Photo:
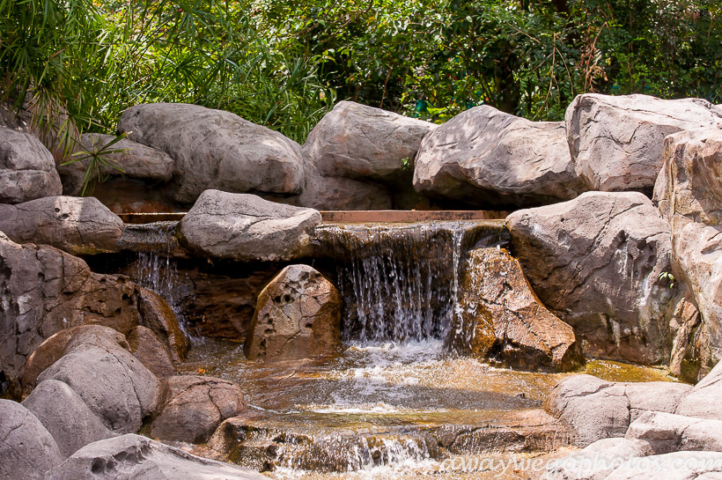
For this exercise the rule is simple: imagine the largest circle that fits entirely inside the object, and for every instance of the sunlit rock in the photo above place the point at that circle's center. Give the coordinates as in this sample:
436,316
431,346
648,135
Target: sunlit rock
616,142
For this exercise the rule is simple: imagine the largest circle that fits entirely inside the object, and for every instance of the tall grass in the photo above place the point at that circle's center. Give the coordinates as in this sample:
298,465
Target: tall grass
77,64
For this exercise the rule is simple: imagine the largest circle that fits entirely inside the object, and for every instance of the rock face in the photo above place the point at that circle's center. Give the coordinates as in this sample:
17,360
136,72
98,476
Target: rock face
132,457
247,228
66,416
616,142
113,383
672,466
298,315
356,141
688,194
159,317
216,149
487,157
27,168
44,290
596,409
77,225
596,262
27,450
506,320
136,161
192,407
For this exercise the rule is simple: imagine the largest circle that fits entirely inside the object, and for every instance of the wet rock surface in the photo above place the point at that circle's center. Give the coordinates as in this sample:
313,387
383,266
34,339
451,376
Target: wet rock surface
248,228
132,457
487,157
598,263
616,142
502,318
298,315
27,168
216,149
193,406
75,225
595,409
27,449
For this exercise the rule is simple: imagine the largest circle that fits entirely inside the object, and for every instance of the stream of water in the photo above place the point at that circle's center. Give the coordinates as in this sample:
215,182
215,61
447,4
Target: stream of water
396,402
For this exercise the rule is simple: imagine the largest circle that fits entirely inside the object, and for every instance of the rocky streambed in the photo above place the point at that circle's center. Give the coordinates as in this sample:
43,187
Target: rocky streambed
578,338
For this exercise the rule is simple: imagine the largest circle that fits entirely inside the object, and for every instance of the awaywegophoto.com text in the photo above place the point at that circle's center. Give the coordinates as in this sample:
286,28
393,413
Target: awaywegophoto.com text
586,464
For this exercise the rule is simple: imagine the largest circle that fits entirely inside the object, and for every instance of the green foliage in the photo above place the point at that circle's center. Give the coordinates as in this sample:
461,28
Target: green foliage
100,162
282,63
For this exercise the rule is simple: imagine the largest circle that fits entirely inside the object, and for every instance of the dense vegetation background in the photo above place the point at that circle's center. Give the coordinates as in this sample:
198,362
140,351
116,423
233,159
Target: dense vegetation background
284,63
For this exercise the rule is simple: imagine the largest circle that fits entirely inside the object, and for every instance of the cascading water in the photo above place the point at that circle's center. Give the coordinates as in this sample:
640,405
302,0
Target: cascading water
399,282
155,268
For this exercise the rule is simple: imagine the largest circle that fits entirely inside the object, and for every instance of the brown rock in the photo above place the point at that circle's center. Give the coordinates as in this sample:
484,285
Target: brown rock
146,347
297,315
502,318
192,407
157,315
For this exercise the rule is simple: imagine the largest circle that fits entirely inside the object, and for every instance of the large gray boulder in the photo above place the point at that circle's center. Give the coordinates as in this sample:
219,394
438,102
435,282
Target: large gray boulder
487,157
27,168
66,416
27,449
247,228
356,141
596,262
298,315
616,142
80,226
666,433
193,406
45,290
216,149
596,461
596,409
132,457
114,384
136,161
688,195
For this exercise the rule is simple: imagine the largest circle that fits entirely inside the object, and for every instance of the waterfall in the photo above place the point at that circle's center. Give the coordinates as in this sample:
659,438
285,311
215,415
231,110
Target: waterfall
155,268
400,282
